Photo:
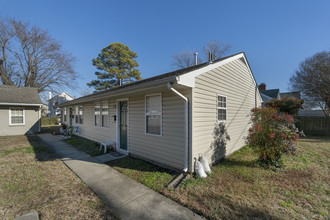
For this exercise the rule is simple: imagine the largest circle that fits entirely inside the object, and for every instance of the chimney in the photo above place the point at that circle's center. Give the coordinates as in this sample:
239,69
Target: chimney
50,95
210,57
196,54
262,87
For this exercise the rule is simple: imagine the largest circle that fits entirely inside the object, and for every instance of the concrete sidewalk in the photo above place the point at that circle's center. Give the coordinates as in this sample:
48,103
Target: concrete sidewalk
130,199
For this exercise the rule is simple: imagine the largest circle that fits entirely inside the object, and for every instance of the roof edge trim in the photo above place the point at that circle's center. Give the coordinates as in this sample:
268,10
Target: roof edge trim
188,79
19,104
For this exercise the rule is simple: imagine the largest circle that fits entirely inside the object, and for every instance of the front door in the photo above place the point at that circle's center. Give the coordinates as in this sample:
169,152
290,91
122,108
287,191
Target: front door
123,125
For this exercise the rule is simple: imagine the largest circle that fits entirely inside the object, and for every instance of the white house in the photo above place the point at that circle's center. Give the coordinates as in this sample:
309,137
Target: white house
58,99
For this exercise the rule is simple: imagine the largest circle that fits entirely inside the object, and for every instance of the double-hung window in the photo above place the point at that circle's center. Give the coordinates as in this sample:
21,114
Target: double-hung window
97,114
153,114
80,114
64,114
17,116
222,108
104,114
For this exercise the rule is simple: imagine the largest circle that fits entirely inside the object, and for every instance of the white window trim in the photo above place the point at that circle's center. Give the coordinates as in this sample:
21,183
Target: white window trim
101,125
65,114
78,114
10,116
161,115
221,107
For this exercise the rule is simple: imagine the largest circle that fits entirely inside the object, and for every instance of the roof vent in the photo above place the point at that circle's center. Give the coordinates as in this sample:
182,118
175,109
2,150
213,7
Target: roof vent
196,55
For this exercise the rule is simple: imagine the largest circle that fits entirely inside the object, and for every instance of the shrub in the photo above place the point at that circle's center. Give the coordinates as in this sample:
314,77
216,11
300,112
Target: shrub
287,105
272,133
49,121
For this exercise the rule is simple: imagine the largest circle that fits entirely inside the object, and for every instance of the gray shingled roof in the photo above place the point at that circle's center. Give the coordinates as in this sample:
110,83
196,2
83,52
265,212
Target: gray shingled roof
12,94
158,77
273,93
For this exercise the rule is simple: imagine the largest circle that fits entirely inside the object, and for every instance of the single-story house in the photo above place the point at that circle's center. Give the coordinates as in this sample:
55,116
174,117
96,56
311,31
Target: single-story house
20,110
171,118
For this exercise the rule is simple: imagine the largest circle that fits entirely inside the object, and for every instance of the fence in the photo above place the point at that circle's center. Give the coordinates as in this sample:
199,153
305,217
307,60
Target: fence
314,125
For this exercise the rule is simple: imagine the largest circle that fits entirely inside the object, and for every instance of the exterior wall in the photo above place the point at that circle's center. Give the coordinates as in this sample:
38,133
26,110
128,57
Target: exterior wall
234,81
63,97
32,121
88,128
167,149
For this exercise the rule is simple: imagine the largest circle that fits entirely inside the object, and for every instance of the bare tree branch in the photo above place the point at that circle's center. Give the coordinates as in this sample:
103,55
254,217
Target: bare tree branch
30,57
186,58
312,79
217,48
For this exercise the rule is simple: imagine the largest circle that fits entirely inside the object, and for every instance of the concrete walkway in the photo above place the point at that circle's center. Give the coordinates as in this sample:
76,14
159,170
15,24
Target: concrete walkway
130,199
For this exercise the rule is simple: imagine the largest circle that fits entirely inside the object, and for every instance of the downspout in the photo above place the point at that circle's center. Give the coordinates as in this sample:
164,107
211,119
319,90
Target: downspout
186,159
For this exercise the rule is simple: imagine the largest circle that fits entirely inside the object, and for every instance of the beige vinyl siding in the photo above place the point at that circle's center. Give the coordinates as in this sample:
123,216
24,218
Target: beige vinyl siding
234,81
31,121
167,149
88,128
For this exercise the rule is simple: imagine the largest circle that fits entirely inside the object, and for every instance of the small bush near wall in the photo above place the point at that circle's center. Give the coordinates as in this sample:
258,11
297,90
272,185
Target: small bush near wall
49,121
272,133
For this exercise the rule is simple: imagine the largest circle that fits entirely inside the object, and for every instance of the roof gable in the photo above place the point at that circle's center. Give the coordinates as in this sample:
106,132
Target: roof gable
188,79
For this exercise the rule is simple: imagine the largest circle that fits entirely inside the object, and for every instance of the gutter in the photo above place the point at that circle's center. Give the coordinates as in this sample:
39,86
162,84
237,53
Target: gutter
186,159
19,104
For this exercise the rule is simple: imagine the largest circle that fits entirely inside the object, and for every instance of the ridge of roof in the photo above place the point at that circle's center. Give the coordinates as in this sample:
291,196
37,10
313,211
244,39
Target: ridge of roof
161,76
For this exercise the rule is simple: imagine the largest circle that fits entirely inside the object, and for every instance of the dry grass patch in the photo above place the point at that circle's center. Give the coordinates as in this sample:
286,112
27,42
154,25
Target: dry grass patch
32,178
239,188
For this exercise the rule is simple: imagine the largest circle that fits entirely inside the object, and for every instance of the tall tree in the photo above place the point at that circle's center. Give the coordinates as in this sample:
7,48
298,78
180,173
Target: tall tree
186,58
30,57
312,79
117,65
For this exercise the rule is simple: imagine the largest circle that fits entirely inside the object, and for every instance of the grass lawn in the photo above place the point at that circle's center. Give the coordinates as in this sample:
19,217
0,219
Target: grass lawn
240,188
32,178
89,147
50,129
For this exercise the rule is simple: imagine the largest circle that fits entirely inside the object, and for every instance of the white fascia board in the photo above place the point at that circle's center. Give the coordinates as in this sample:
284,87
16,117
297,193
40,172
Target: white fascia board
188,79
19,104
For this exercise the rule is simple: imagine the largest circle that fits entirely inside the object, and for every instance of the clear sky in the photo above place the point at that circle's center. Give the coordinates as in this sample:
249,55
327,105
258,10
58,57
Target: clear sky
275,35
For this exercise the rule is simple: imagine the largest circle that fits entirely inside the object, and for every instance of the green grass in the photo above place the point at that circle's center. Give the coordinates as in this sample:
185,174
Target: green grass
240,188
146,173
89,147
33,178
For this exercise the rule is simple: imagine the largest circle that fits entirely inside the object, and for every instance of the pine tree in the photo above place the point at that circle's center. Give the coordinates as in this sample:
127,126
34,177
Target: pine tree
117,66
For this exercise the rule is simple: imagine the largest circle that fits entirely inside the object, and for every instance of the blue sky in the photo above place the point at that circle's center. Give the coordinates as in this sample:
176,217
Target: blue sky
275,35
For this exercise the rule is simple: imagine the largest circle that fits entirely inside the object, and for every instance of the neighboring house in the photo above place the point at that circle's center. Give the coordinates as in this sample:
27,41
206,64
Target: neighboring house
270,94
20,110
172,118
58,99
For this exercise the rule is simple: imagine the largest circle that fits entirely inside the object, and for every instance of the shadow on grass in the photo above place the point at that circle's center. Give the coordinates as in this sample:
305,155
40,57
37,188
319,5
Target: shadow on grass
40,149
139,165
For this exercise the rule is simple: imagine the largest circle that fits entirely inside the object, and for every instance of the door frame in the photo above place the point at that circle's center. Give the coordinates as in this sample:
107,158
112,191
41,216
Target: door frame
118,126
